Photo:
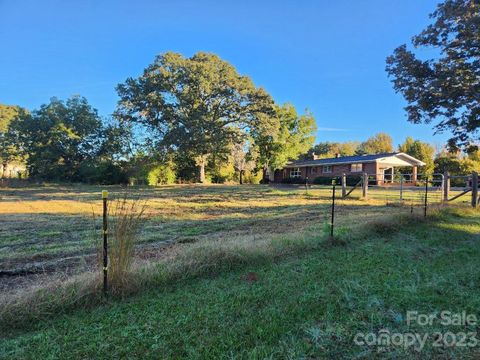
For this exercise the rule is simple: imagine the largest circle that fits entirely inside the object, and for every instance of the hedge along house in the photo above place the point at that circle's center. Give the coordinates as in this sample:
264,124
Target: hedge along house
379,167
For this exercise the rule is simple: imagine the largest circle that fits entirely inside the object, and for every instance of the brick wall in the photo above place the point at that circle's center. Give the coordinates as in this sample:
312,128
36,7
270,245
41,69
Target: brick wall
319,171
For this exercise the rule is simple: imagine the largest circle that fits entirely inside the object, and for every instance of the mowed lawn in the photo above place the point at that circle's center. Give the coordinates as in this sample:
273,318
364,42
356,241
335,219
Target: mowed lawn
308,302
307,305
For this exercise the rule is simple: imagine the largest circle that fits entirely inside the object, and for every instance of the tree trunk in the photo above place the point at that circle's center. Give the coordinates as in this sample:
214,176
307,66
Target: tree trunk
201,170
4,170
241,177
265,177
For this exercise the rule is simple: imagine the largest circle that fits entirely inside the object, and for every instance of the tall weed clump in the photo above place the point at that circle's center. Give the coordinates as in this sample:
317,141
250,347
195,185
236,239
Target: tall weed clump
125,221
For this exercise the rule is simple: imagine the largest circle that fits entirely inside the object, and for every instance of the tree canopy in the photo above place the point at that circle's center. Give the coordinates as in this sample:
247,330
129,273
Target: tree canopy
197,106
377,144
445,87
293,137
421,151
329,149
8,149
65,140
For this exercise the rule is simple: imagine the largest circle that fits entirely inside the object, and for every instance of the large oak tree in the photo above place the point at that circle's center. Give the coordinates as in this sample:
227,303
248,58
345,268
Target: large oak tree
197,106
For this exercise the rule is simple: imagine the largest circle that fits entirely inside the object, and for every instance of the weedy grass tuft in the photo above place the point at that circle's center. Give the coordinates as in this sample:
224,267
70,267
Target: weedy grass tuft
126,218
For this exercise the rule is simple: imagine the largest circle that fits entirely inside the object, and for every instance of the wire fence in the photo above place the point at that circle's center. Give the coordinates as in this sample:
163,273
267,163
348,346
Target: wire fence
406,189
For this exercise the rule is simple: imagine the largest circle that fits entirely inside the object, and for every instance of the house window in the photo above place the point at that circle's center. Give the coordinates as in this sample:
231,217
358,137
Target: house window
327,169
356,167
314,170
295,172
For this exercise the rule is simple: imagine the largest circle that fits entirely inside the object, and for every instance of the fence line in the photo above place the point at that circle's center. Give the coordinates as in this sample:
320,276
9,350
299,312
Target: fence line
410,188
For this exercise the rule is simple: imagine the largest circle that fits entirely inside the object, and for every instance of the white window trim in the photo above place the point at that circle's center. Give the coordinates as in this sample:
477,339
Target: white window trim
325,167
295,172
355,165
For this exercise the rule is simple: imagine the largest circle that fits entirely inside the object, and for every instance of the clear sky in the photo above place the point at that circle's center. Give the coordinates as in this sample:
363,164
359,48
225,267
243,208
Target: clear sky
327,56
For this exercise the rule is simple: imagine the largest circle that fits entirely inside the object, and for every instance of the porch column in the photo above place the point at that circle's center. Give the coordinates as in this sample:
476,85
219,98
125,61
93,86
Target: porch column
392,174
414,174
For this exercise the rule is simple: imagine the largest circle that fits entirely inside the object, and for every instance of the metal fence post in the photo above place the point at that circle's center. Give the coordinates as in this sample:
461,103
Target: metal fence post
365,186
446,186
344,185
426,198
105,241
401,187
333,209
474,189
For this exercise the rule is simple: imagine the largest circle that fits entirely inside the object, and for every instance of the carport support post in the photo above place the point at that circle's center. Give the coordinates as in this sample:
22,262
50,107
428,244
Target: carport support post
365,186
344,185
446,186
105,242
474,189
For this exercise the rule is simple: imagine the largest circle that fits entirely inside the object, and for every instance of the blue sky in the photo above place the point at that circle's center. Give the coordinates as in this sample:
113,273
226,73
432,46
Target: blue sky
327,56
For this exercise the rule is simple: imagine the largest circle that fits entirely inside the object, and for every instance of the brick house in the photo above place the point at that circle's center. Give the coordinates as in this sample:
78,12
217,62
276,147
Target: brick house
380,167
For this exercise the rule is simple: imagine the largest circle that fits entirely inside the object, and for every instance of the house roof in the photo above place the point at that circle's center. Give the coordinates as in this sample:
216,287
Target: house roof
393,158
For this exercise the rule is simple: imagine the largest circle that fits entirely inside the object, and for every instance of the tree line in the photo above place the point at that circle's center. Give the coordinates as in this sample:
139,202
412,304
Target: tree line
197,118
183,119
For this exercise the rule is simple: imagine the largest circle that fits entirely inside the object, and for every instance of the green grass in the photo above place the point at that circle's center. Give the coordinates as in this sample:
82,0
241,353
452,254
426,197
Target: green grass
306,303
50,222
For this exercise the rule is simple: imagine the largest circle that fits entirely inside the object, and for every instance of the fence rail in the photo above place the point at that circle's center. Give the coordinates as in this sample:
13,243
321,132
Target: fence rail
410,188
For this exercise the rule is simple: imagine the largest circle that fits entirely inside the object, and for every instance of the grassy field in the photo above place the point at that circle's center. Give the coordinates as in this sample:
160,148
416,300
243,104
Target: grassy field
54,227
245,272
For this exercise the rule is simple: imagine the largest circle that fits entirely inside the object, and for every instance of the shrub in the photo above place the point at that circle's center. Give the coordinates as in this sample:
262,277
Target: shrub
162,174
325,180
293,181
222,174
251,177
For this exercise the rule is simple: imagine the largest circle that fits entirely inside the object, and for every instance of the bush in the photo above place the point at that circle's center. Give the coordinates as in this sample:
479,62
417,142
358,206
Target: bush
250,177
161,175
222,174
104,172
325,180
351,180
293,181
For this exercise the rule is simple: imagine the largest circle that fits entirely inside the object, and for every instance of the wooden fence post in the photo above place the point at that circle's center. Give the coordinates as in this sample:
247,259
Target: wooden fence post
446,186
474,189
344,185
365,186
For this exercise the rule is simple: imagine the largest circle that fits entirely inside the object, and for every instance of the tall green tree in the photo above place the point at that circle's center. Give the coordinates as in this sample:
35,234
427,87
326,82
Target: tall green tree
65,140
446,87
329,149
421,151
456,164
9,151
293,136
377,144
197,106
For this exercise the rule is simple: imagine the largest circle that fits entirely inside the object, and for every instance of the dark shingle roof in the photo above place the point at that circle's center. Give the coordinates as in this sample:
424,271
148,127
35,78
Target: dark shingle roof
341,160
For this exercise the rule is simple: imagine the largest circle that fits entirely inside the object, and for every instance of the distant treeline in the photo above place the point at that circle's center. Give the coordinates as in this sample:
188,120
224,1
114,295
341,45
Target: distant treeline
183,120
